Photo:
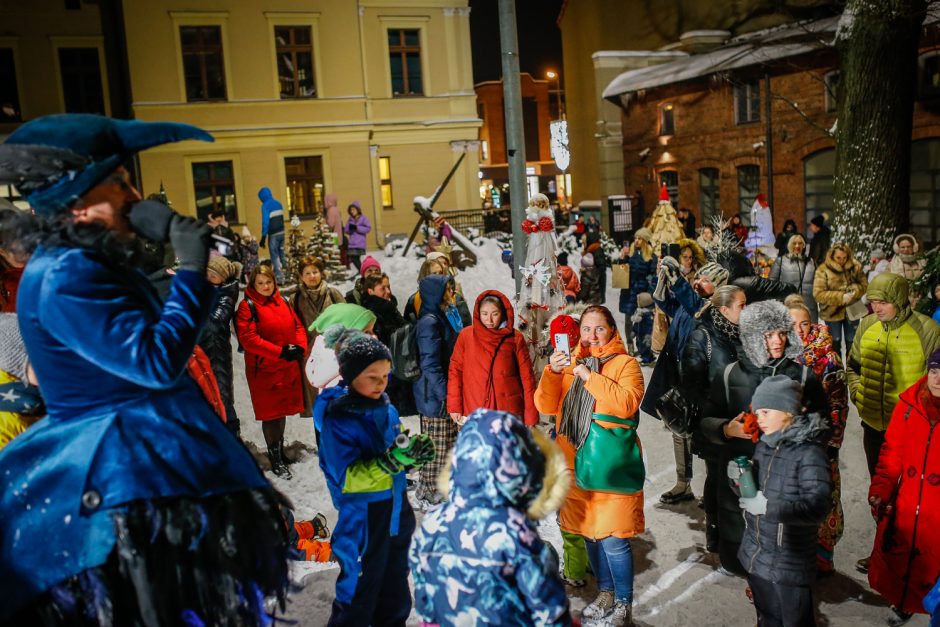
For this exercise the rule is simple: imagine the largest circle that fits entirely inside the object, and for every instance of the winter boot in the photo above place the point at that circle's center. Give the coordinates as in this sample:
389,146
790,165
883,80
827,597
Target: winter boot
622,616
682,491
896,617
599,607
278,467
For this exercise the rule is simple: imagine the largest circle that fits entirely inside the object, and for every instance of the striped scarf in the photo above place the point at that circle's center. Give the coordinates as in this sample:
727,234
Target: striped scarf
577,410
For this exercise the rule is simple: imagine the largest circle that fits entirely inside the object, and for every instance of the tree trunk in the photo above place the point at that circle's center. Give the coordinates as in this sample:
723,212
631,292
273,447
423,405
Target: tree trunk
877,44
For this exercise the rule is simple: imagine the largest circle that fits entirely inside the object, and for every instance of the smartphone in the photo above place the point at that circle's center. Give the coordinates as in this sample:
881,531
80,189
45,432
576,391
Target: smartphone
675,250
561,344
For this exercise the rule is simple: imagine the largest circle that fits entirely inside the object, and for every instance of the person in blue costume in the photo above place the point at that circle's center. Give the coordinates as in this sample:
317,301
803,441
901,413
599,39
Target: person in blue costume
130,503
478,559
272,230
364,455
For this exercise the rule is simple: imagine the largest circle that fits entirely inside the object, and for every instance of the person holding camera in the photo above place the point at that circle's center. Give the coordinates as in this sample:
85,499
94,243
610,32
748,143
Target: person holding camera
137,449
275,344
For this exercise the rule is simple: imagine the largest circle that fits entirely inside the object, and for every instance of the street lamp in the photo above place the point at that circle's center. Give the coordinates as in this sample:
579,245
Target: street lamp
552,75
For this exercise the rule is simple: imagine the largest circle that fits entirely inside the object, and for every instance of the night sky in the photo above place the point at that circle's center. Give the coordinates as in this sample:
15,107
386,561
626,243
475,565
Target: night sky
539,38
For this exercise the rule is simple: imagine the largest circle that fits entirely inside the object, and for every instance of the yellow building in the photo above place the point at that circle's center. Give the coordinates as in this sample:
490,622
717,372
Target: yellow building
371,100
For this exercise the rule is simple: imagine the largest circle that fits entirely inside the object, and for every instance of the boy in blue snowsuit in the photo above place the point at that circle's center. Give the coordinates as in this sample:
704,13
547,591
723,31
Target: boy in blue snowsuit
365,472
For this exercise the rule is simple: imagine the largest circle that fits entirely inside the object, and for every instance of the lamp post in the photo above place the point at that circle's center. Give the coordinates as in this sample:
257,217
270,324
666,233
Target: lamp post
552,75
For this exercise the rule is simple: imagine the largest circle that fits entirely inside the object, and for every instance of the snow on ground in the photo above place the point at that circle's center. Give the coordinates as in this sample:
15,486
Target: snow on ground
676,581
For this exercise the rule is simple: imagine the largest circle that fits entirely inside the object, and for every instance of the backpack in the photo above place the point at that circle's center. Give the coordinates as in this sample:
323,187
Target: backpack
254,318
404,348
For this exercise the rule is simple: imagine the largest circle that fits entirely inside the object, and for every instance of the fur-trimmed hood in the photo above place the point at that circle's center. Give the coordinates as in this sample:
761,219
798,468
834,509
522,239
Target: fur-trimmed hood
760,318
498,461
698,254
805,428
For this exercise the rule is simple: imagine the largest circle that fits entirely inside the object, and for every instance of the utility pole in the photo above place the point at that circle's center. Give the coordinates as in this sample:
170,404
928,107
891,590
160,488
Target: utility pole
769,140
515,137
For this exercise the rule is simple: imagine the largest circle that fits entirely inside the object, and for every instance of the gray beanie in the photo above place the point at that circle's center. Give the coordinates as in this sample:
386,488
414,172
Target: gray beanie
779,392
715,273
13,358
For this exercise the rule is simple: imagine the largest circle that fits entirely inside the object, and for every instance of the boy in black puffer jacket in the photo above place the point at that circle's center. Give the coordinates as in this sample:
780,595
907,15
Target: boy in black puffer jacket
792,473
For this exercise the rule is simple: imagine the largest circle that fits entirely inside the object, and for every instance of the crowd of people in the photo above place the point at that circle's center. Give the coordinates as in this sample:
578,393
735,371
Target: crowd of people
163,516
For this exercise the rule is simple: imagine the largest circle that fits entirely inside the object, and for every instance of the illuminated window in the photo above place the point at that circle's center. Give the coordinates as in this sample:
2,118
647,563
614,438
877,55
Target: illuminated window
305,184
667,120
385,181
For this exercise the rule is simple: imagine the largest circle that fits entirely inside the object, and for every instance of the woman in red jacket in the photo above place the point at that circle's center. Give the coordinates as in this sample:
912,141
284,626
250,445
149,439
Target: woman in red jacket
905,499
274,341
490,366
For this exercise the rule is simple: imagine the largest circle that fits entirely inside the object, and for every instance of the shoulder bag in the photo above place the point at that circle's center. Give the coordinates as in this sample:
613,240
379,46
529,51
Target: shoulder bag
678,413
611,459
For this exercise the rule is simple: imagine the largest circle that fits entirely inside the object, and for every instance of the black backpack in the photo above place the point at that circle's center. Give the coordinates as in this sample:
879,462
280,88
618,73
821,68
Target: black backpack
404,348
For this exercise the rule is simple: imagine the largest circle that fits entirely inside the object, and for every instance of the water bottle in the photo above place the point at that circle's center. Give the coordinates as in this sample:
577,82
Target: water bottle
746,484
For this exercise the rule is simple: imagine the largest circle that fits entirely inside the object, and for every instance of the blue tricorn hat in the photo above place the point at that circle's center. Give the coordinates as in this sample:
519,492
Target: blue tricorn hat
55,160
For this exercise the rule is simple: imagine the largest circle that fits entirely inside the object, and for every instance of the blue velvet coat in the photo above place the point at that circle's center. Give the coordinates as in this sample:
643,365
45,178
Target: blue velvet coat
124,423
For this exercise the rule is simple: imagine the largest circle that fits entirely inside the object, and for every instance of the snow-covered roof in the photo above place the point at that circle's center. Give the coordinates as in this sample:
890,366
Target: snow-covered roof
747,50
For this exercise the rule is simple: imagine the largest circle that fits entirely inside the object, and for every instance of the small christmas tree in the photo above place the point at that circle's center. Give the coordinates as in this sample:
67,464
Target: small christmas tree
664,224
296,251
323,244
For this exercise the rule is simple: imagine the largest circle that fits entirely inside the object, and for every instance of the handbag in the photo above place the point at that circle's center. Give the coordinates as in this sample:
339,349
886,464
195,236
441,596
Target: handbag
856,311
611,459
620,277
660,330
678,413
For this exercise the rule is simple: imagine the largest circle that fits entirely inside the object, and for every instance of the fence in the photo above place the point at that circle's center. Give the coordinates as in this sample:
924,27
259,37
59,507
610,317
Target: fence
490,220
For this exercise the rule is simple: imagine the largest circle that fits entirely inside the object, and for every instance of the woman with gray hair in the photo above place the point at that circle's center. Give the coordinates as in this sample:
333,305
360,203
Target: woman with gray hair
771,346
798,270
714,343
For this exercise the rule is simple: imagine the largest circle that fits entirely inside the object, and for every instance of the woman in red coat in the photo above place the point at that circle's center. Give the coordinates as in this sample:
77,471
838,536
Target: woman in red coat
274,341
490,366
905,499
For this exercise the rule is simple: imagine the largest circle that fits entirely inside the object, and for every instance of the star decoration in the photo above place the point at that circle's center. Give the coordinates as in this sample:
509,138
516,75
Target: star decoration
10,396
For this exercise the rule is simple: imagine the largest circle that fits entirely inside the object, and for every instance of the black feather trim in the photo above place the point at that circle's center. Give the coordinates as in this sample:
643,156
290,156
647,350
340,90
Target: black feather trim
31,167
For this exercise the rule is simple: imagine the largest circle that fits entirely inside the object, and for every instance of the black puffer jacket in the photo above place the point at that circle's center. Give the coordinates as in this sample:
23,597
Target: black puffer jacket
723,406
707,352
387,318
792,470
216,340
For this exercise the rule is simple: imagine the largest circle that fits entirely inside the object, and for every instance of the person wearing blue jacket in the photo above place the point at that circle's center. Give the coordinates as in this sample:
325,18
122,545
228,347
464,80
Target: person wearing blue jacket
272,230
435,333
364,456
643,263
478,559
114,507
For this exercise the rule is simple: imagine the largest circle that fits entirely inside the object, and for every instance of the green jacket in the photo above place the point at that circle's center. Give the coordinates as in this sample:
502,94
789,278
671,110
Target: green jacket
888,357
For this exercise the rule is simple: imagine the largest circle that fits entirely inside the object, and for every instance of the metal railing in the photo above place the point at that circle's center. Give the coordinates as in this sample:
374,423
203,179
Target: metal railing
490,220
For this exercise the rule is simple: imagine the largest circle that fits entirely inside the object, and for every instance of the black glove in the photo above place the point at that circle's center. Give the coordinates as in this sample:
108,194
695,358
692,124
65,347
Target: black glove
190,239
292,352
352,228
264,241
418,452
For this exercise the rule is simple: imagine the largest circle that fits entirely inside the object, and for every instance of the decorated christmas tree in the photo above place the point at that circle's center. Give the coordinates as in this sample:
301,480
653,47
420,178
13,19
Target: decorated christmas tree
541,294
664,224
296,250
323,244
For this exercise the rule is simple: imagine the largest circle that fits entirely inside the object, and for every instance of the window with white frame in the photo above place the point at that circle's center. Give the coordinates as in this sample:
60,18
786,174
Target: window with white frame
747,102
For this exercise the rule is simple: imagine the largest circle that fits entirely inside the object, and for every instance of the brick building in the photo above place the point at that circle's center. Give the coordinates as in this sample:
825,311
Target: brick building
542,175
700,125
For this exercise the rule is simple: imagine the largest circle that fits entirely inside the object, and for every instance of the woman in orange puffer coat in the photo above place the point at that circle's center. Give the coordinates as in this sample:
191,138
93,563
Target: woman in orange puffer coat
604,385
490,366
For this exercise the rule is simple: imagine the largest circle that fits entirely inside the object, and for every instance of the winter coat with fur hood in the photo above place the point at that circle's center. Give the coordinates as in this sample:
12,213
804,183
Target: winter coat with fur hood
725,402
908,266
478,558
831,283
905,562
800,272
792,470
491,369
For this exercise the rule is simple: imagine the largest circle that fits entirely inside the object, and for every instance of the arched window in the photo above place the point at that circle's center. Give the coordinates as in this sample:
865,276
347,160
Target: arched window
709,201
671,179
748,189
818,171
925,190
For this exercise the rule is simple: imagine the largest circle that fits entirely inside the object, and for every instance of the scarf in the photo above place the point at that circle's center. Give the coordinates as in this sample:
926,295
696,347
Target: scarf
577,410
724,326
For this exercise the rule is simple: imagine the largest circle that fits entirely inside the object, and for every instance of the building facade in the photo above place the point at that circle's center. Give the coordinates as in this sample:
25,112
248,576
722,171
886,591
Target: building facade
542,173
371,100
700,125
